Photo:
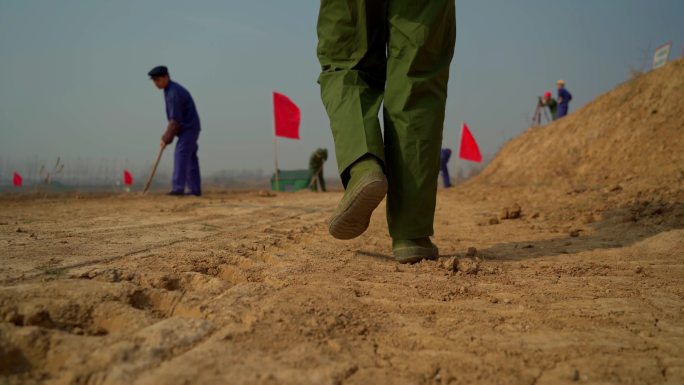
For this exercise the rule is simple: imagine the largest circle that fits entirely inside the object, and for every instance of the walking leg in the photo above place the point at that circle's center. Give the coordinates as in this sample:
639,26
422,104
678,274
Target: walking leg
421,44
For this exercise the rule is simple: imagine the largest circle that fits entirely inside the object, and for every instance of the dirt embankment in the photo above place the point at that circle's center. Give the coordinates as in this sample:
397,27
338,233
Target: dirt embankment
620,157
631,139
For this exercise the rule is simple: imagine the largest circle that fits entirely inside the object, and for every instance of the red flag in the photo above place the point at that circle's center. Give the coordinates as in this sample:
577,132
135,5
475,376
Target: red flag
469,149
287,117
17,180
128,178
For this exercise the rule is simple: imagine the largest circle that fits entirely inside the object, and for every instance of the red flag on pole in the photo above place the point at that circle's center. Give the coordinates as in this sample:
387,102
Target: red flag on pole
17,180
287,116
128,178
469,149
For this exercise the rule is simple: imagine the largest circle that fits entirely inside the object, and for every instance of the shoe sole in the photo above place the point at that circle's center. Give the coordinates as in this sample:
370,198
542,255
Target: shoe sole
415,254
353,216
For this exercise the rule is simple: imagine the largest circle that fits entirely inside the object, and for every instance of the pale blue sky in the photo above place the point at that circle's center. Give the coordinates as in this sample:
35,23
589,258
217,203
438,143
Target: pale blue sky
73,83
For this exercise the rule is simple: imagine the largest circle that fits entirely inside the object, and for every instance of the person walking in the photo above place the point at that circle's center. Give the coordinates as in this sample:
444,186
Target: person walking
395,54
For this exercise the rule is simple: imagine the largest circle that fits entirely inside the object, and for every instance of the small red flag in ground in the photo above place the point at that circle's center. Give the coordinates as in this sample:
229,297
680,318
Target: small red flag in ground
287,116
17,180
469,149
128,178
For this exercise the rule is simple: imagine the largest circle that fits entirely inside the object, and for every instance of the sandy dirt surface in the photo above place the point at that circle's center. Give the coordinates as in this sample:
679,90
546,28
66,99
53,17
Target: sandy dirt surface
236,288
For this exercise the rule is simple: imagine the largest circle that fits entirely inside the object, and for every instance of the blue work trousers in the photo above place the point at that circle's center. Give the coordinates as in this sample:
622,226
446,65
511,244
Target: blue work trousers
186,171
445,174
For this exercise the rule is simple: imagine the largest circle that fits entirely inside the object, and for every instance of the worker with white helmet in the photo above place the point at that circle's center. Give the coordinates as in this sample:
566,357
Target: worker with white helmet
564,98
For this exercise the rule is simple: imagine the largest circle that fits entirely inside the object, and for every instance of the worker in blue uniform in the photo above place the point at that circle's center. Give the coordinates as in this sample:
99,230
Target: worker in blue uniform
564,98
444,157
184,123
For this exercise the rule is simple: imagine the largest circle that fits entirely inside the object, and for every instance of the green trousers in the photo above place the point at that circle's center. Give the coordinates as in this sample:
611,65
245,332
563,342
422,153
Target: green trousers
394,54
320,180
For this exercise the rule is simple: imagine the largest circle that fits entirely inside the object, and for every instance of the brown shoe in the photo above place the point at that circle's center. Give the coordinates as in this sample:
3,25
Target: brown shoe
367,187
414,250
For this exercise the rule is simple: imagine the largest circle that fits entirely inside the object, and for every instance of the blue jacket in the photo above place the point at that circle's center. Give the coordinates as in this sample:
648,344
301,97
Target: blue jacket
564,97
445,155
180,107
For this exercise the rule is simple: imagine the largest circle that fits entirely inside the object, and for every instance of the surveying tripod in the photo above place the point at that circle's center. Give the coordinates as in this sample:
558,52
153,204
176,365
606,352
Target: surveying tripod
537,117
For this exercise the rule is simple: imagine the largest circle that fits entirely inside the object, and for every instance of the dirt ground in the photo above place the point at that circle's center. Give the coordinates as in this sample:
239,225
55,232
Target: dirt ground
238,288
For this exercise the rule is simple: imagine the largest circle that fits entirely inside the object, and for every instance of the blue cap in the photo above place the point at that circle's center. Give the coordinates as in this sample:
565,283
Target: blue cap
158,71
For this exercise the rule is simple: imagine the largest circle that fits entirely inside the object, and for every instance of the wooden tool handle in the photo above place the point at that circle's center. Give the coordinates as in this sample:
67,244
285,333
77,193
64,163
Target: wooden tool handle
154,170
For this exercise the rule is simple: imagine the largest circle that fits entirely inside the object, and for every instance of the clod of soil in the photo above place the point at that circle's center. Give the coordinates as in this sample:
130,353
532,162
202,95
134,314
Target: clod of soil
575,376
266,194
449,264
513,212
468,266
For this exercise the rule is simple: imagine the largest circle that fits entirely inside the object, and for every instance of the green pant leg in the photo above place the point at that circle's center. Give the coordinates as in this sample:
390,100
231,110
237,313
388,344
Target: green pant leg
351,50
313,185
421,43
321,180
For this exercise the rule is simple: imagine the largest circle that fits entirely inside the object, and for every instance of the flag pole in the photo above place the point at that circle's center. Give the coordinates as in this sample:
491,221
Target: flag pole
458,157
275,157
275,148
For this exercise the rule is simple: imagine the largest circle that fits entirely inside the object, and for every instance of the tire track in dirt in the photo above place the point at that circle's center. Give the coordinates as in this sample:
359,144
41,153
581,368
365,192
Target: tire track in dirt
222,224
149,299
203,207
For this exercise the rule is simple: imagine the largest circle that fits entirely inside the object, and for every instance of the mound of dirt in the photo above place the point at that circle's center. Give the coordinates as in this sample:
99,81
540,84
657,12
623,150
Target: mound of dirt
628,142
